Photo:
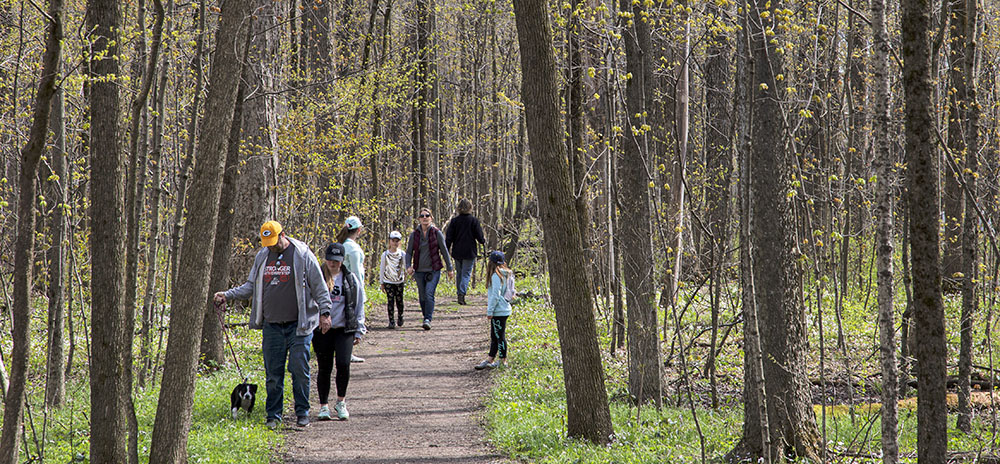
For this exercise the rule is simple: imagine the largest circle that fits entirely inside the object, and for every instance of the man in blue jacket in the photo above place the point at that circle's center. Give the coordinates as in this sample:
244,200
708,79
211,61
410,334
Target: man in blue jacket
287,293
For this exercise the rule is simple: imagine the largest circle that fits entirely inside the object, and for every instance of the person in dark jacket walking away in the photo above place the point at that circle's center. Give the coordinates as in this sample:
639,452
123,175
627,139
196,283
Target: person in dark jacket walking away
424,259
287,294
461,235
339,330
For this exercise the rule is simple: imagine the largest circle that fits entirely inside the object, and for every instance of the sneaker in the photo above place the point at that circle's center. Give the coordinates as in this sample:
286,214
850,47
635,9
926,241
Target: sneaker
484,365
399,321
496,365
341,408
302,421
392,324
355,359
427,324
272,423
324,413
461,300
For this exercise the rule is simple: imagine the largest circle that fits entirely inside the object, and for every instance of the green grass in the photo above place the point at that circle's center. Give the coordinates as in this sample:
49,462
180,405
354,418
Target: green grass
526,409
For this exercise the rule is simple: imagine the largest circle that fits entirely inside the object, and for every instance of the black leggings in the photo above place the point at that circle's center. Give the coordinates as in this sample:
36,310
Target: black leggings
498,336
394,298
334,341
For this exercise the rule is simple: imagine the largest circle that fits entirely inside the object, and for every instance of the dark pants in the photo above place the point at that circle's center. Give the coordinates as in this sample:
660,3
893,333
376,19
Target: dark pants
498,336
333,342
427,283
280,342
394,298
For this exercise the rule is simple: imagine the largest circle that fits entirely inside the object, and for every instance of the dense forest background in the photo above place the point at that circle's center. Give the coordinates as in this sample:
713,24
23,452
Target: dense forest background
735,185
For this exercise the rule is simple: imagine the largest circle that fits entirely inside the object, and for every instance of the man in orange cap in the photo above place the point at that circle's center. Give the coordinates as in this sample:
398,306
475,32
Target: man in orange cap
287,293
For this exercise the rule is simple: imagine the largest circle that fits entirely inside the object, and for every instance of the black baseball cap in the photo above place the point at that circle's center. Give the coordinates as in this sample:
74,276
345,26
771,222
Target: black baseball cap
335,252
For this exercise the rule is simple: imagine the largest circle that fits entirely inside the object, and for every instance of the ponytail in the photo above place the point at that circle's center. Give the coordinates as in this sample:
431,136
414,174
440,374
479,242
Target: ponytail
344,234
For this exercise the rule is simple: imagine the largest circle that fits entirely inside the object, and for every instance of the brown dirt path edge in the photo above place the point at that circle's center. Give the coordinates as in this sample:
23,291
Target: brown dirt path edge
415,399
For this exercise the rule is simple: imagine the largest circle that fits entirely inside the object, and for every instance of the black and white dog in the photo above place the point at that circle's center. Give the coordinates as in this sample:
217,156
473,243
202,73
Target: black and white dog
243,397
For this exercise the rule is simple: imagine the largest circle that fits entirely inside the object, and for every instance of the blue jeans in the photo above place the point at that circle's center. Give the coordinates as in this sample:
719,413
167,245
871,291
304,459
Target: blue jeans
280,343
463,268
427,283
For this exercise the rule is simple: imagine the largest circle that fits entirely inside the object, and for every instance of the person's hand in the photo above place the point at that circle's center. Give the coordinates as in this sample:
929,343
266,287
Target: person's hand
489,318
219,297
451,274
409,270
383,288
357,340
325,321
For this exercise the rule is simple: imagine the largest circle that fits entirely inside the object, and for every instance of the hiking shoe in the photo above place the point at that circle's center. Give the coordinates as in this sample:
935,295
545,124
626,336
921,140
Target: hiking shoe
427,324
324,413
302,421
355,359
341,408
272,423
484,365
392,324
399,321
461,300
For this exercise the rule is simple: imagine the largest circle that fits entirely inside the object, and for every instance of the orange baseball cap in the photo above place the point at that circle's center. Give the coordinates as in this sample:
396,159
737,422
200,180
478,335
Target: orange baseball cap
269,233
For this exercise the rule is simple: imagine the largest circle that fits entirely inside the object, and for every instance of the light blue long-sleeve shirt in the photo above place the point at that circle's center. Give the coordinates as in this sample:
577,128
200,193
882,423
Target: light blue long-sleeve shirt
496,305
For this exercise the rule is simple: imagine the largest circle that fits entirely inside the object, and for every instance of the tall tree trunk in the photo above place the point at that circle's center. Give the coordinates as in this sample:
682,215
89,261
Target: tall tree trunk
149,299
588,415
718,166
970,230
212,349
24,243
633,179
55,379
958,100
256,197
192,130
922,175
190,294
577,152
111,356
775,271
884,194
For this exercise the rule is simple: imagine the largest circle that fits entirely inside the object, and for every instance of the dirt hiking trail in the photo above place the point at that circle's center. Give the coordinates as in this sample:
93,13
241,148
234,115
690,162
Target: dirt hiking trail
415,399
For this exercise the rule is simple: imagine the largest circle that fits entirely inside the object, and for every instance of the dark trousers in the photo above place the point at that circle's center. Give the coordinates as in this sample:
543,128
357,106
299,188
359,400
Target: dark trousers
327,345
394,298
498,336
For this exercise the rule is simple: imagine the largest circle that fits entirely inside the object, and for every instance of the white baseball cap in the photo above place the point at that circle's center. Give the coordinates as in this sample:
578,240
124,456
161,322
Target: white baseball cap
395,234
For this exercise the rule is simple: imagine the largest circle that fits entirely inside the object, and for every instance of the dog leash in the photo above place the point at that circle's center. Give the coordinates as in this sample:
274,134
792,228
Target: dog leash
219,310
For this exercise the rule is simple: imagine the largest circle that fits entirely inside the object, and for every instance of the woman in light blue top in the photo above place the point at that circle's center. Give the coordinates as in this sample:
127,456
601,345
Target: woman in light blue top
355,260
497,310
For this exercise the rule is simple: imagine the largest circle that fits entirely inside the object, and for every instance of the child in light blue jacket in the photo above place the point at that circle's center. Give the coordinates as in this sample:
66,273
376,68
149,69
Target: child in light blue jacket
497,311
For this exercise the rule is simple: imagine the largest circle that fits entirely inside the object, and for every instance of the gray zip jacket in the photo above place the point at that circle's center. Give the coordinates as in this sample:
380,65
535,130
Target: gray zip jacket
310,289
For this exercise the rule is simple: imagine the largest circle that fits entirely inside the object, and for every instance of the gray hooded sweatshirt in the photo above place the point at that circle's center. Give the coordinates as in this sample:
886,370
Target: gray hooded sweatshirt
310,289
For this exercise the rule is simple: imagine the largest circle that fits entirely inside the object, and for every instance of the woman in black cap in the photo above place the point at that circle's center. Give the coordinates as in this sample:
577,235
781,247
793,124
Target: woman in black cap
339,330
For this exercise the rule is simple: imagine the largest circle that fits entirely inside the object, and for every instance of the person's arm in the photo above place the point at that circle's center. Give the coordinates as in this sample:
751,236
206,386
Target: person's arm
494,295
408,256
478,231
445,254
359,307
382,265
317,285
245,291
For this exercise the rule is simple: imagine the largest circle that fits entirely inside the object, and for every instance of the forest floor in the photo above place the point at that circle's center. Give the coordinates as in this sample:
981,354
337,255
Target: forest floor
415,399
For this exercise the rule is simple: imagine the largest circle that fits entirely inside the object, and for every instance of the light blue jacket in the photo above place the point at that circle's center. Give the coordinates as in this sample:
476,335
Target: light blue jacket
354,259
310,289
496,305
